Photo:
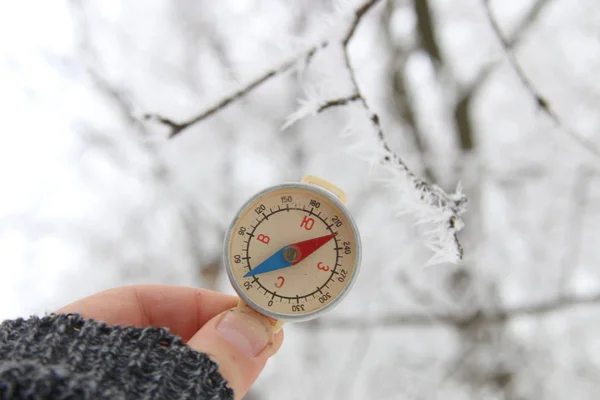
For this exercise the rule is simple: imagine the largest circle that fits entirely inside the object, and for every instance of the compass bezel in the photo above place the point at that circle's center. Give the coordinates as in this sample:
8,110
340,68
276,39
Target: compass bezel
347,285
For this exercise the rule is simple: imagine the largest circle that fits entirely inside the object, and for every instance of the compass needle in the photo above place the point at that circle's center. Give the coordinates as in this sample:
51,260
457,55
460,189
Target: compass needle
290,255
305,233
307,247
274,262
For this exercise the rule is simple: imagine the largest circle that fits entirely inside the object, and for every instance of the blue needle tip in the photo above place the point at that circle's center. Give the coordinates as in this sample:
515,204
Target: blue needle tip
273,263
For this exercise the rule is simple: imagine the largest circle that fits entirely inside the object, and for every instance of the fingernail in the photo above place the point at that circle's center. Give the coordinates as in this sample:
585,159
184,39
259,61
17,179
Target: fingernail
248,333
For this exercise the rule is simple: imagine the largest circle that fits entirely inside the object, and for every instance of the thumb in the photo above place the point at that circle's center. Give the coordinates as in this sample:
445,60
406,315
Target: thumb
240,341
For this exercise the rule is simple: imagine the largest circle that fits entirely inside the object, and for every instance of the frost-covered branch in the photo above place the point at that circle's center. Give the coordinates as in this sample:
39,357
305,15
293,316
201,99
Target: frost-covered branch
178,127
429,203
539,99
358,15
307,55
539,309
310,107
339,102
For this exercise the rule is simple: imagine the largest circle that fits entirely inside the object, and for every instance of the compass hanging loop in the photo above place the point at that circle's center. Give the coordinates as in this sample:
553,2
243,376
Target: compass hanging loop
315,180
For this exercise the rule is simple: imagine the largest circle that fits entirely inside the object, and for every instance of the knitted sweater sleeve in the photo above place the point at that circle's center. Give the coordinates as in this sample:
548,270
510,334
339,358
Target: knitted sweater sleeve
69,357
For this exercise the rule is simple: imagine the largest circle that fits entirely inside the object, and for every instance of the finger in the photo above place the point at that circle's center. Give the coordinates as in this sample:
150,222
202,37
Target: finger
184,310
240,341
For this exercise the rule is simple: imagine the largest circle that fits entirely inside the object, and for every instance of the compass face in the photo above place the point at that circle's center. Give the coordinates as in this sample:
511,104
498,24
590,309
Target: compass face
292,251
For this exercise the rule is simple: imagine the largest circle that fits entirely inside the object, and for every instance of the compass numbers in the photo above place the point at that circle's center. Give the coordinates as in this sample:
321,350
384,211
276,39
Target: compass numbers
292,251
322,266
280,281
324,298
263,238
347,248
337,221
307,223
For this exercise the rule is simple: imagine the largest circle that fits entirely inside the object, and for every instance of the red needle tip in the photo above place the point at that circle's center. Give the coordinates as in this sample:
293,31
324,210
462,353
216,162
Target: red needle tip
307,247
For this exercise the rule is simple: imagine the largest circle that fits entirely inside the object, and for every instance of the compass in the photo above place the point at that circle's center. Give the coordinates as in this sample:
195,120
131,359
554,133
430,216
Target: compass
292,251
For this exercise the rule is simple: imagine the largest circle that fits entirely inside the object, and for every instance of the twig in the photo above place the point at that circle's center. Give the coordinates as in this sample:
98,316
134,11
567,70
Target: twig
118,97
178,127
403,106
426,32
533,13
462,109
432,195
338,102
540,100
498,316
542,308
358,15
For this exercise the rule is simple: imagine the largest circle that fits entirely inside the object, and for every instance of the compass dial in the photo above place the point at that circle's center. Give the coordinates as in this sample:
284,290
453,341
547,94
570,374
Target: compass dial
292,251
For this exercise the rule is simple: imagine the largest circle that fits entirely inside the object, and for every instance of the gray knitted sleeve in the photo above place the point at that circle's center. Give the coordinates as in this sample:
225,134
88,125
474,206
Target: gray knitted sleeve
69,357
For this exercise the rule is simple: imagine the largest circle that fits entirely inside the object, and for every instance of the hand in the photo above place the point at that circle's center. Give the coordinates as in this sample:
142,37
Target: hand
289,255
239,341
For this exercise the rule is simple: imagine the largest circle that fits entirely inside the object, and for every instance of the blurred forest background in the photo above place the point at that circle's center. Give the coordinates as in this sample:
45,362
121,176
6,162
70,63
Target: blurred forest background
502,96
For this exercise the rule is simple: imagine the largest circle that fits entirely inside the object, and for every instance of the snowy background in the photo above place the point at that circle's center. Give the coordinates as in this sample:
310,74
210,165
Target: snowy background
501,96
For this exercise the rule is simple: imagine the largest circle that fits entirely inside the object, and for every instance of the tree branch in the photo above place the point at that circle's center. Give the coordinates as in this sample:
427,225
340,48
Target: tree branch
432,195
533,13
399,94
462,110
358,15
539,309
451,206
178,127
542,308
540,100
338,102
426,31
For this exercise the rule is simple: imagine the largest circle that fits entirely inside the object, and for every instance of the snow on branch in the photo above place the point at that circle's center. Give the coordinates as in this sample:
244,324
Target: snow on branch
428,203
306,56
311,107
540,100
